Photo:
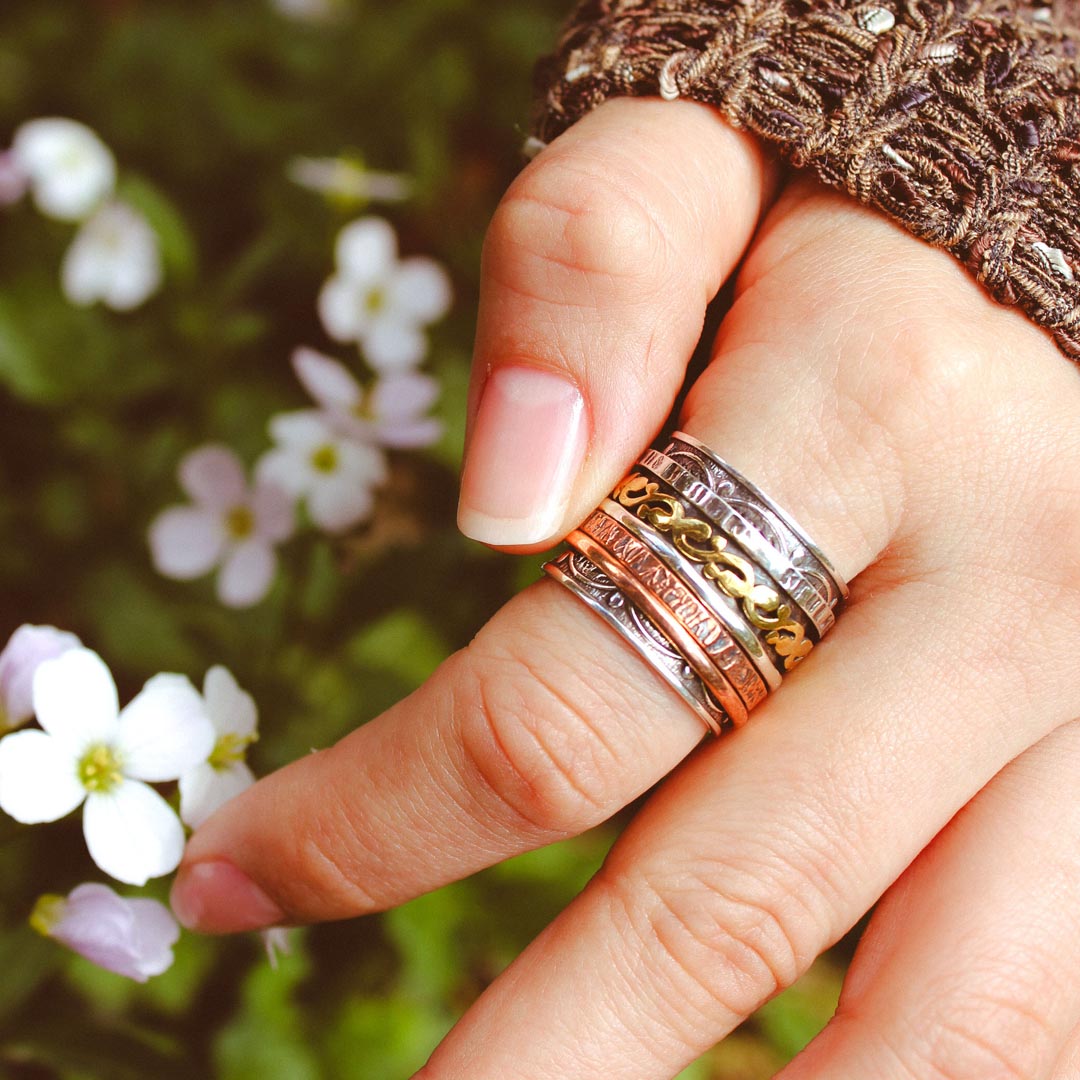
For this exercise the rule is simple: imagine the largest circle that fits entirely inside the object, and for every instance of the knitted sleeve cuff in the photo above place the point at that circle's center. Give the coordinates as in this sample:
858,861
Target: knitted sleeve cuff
960,120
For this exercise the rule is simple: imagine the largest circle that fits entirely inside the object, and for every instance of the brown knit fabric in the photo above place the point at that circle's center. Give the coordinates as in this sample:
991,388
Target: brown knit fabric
961,120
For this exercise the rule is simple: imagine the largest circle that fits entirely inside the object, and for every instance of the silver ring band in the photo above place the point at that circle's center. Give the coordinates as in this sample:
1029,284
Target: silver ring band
769,558
598,592
791,537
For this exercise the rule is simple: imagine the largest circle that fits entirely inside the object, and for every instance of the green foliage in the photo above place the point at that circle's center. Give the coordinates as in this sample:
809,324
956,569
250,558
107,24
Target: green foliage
205,104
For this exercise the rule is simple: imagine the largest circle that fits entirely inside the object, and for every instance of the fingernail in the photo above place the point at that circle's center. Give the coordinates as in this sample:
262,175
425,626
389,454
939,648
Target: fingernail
216,898
527,447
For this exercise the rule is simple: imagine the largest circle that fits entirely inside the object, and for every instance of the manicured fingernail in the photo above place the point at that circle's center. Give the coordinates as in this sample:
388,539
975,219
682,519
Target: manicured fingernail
527,446
216,898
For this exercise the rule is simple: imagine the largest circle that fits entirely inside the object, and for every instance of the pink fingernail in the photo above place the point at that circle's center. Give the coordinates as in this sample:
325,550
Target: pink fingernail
216,898
527,447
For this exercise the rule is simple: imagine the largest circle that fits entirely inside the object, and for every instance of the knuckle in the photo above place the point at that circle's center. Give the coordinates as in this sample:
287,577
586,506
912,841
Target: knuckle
532,742
726,938
326,854
563,221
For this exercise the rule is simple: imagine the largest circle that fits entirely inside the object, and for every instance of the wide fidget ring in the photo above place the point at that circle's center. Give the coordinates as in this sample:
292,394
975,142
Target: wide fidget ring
716,586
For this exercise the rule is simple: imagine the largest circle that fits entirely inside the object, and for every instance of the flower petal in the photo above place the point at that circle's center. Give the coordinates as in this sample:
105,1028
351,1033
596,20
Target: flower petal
329,382
204,790
342,309
362,465
246,574
301,428
213,476
419,290
75,699
26,649
288,469
410,434
231,709
165,730
71,170
132,833
113,258
338,503
403,395
129,936
186,542
391,345
275,512
366,250
38,780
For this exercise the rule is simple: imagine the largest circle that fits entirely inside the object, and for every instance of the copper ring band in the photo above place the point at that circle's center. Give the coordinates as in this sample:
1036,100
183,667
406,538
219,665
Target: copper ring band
683,640
732,662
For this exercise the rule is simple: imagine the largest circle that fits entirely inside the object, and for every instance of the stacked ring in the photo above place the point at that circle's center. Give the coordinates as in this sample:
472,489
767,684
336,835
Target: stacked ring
713,584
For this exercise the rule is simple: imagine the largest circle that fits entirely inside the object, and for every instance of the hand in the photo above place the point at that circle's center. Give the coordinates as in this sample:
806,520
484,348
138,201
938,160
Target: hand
929,441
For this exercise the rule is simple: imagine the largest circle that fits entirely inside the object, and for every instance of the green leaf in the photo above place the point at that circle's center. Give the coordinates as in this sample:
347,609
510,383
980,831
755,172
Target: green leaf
797,1015
27,960
267,1037
383,1037
402,643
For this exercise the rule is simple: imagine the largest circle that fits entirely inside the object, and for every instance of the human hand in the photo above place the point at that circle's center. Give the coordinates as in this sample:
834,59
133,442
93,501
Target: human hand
929,441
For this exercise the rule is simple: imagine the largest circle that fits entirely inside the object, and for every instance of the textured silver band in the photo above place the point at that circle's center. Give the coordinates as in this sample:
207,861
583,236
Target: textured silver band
772,560
594,588
725,608
775,523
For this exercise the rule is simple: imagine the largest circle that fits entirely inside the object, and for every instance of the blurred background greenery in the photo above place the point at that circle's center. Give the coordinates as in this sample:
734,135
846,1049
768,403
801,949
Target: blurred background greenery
205,103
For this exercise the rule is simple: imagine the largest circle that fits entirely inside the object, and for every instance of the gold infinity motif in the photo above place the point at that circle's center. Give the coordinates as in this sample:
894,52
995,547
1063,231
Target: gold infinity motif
733,574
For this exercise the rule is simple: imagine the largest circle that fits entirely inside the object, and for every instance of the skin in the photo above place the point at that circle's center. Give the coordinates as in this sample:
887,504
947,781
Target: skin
926,752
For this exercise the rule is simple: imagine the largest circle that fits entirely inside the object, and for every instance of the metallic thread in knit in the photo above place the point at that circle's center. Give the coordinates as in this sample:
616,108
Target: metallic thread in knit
960,120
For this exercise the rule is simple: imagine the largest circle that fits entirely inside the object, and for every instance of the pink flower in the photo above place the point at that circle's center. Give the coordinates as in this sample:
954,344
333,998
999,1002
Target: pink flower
27,647
129,936
391,412
14,180
229,525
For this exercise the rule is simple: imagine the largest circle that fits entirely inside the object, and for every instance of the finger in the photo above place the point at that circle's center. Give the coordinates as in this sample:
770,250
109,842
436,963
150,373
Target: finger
968,968
544,726
597,268
766,847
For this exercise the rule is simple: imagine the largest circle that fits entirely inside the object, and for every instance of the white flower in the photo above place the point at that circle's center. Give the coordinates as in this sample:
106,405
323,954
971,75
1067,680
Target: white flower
90,751
313,460
380,302
130,936
114,259
391,412
71,171
26,649
206,787
229,525
344,180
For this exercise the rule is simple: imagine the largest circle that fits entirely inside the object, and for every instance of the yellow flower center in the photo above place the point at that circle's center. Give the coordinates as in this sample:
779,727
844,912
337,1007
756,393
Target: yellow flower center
100,768
375,301
47,912
240,522
229,750
325,458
